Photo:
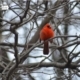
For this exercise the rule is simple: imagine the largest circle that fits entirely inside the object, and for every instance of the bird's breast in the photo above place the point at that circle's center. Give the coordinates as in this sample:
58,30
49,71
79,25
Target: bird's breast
46,34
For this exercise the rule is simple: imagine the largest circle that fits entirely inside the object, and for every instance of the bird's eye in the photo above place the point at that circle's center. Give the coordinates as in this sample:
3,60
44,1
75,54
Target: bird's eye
48,26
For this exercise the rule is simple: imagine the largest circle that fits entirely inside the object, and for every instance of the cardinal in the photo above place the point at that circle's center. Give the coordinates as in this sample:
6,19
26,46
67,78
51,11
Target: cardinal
45,34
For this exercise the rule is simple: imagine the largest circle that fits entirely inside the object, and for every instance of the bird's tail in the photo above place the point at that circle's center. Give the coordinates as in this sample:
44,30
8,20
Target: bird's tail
46,48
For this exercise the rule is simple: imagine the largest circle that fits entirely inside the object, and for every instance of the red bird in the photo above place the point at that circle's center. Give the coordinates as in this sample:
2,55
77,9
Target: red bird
46,33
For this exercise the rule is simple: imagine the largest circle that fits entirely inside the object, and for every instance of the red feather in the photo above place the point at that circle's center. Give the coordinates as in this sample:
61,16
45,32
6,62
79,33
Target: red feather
46,33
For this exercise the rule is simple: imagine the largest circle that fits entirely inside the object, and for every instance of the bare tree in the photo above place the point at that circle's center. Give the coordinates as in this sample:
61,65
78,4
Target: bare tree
22,24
